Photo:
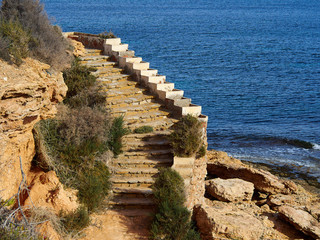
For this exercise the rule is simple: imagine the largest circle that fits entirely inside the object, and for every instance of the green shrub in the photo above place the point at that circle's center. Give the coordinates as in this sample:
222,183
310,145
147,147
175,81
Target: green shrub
144,129
92,97
78,78
48,45
169,186
172,220
186,138
76,220
117,131
94,186
17,40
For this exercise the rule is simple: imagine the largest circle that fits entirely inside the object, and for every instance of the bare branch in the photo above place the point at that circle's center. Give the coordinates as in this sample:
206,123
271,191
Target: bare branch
22,186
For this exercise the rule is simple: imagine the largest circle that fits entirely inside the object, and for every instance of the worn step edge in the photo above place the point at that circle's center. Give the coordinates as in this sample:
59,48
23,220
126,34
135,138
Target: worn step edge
132,201
141,190
129,180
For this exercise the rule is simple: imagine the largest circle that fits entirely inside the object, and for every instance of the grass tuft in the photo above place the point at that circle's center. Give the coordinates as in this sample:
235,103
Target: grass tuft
143,129
117,131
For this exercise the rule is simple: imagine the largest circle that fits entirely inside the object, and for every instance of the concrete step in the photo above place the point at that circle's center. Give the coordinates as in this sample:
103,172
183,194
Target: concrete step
110,79
144,145
107,71
147,153
88,58
136,109
92,52
131,203
132,101
122,84
145,213
99,63
125,93
142,162
147,136
150,115
133,192
135,172
159,124
120,181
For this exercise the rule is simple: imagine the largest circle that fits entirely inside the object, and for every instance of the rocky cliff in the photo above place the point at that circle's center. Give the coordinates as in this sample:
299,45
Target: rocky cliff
28,94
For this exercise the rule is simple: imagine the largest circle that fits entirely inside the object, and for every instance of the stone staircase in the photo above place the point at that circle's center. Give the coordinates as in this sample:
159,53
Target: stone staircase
134,170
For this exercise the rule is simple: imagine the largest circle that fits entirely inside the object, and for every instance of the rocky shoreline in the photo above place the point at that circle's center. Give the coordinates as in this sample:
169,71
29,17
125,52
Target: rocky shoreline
309,183
243,202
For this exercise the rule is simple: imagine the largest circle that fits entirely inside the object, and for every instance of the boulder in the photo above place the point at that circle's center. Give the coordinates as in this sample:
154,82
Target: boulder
230,190
314,209
301,220
222,166
221,223
301,199
241,220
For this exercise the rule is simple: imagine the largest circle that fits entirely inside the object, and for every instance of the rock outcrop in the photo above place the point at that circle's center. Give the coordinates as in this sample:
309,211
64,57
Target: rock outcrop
245,221
230,190
46,191
278,209
301,220
28,94
223,166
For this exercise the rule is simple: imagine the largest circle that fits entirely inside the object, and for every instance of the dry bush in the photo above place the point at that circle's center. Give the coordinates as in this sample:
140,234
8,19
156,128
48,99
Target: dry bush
17,40
81,124
48,45
11,228
4,48
42,215
107,35
186,138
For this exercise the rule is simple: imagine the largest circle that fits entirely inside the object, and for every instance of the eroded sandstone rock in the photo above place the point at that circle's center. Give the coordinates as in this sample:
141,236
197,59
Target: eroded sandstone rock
46,191
28,94
301,220
243,221
278,200
222,166
230,190
222,222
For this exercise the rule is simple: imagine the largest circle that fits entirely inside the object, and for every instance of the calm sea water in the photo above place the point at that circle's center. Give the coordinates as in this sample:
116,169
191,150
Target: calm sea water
253,65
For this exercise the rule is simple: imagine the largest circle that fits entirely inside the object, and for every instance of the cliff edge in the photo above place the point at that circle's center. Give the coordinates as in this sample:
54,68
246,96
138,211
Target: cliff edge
28,94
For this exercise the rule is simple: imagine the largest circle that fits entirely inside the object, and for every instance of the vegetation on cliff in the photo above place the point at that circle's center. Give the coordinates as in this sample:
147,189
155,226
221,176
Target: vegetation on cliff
77,140
172,220
25,30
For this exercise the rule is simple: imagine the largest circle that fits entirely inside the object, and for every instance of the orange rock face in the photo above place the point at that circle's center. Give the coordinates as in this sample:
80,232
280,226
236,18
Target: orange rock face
45,190
28,94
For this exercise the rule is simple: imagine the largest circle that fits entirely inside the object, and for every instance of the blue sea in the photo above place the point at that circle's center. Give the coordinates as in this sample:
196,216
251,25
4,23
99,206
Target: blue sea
253,65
